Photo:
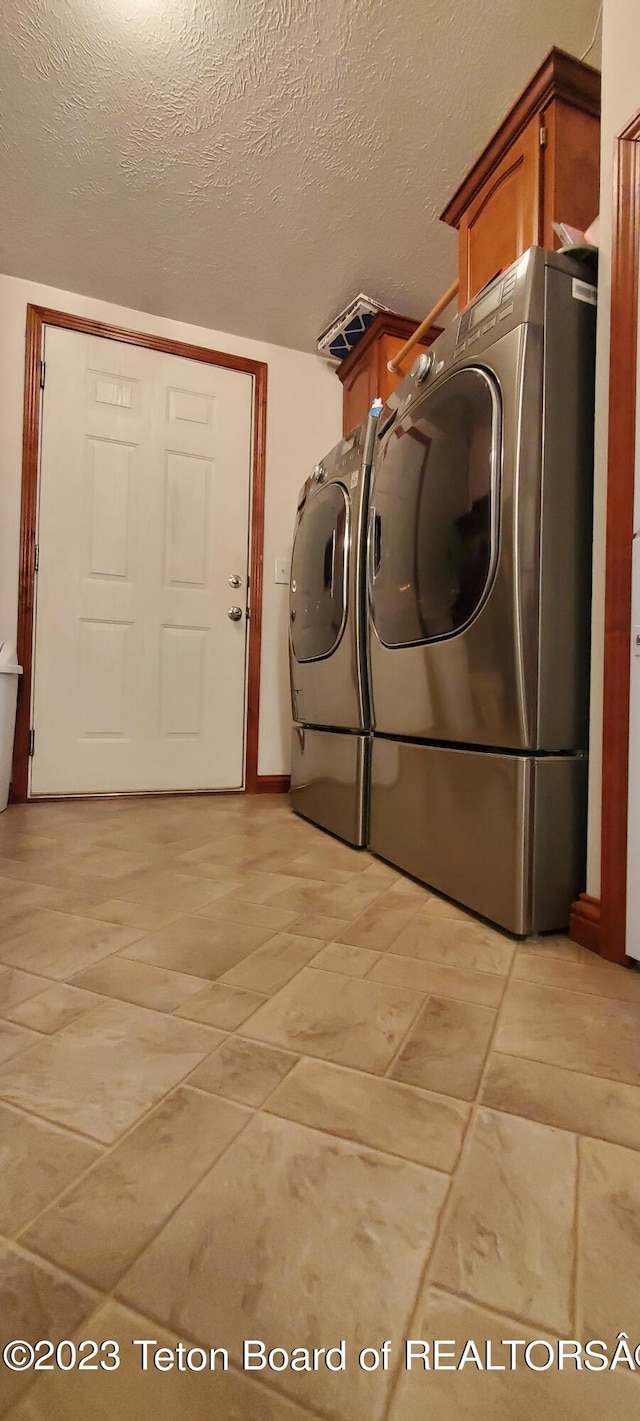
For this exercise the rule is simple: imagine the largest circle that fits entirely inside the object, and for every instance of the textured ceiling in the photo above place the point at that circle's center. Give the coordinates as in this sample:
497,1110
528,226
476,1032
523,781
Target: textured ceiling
252,164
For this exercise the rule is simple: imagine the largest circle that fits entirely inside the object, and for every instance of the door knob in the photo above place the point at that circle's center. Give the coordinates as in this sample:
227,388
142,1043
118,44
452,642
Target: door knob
235,580
234,614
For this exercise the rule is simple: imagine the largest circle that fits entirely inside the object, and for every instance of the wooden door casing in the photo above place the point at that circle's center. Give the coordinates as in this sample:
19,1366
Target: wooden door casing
621,475
600,923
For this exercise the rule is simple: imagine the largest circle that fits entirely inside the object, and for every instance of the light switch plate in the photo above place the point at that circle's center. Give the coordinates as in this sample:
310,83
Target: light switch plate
283,570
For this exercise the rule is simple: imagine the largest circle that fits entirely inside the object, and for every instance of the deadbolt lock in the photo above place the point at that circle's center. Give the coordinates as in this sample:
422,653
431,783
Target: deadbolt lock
235,580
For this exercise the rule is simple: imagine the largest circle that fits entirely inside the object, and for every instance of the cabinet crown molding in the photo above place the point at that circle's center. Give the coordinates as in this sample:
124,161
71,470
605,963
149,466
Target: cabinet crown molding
386,323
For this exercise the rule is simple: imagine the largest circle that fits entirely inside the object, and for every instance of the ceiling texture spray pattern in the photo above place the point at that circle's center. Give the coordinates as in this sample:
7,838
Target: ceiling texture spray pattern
250,165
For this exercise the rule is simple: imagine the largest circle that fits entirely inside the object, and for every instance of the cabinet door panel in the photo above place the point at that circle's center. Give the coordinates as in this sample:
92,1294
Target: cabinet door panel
388,350
504,219
571,170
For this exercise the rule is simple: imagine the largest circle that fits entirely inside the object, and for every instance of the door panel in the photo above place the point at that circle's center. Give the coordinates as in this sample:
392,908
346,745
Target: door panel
319,570
435,513
139,675
504,219
108,498
188,484
571,169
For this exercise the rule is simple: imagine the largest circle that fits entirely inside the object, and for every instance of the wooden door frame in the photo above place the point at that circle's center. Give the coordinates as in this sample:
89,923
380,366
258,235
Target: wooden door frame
601,924
38,317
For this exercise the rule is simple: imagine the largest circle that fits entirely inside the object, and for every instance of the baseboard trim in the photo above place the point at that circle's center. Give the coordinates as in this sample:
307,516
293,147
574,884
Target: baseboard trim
273,784
584,922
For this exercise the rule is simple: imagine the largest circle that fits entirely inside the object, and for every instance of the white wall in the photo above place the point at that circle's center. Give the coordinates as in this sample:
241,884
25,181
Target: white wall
304,419
620,101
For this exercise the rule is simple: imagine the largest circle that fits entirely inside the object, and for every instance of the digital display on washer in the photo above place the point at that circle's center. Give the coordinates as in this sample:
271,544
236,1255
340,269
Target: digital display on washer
485,307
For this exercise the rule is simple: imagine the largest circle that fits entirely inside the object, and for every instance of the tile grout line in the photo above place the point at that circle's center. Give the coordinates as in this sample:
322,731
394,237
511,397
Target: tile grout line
110,887
68,981
573,1070
425,998
441,993
388,952
105,1149
184,1082
428,996
208,983
443,1217
633,1000
349,1139
106,1152
102,1297
277,932
197,1021
563,1129
339,971
112,1291
492,1311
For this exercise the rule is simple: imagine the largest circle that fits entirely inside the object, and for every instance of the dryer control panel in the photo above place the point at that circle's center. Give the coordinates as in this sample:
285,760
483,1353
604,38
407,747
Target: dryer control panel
494,305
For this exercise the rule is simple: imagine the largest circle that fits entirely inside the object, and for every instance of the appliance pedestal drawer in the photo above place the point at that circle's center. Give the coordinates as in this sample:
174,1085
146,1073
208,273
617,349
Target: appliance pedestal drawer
329,780
502,834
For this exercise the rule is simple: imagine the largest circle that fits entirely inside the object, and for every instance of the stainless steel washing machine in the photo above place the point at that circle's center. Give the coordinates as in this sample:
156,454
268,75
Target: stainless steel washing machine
479,587
330,698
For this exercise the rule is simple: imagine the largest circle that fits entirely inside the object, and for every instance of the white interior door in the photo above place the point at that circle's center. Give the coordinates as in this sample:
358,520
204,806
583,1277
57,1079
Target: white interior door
144,503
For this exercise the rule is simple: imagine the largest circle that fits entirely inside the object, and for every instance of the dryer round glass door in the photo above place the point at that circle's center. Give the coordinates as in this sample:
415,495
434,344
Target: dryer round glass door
435,512
318,595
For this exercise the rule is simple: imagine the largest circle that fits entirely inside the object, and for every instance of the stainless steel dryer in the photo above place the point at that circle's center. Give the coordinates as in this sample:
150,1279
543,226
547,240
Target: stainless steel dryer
327,642
480,575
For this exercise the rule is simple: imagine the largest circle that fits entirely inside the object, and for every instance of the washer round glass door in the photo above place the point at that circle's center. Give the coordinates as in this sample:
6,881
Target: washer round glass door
434,518
318,596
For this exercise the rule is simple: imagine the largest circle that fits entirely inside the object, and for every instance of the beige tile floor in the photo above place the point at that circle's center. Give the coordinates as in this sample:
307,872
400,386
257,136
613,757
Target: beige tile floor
256,1085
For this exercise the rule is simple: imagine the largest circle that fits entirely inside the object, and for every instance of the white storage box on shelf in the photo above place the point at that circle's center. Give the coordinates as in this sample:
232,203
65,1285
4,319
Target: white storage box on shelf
9,673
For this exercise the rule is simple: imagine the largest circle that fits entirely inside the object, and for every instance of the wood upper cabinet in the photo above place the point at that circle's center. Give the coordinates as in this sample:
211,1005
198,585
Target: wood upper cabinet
364,373
541,166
